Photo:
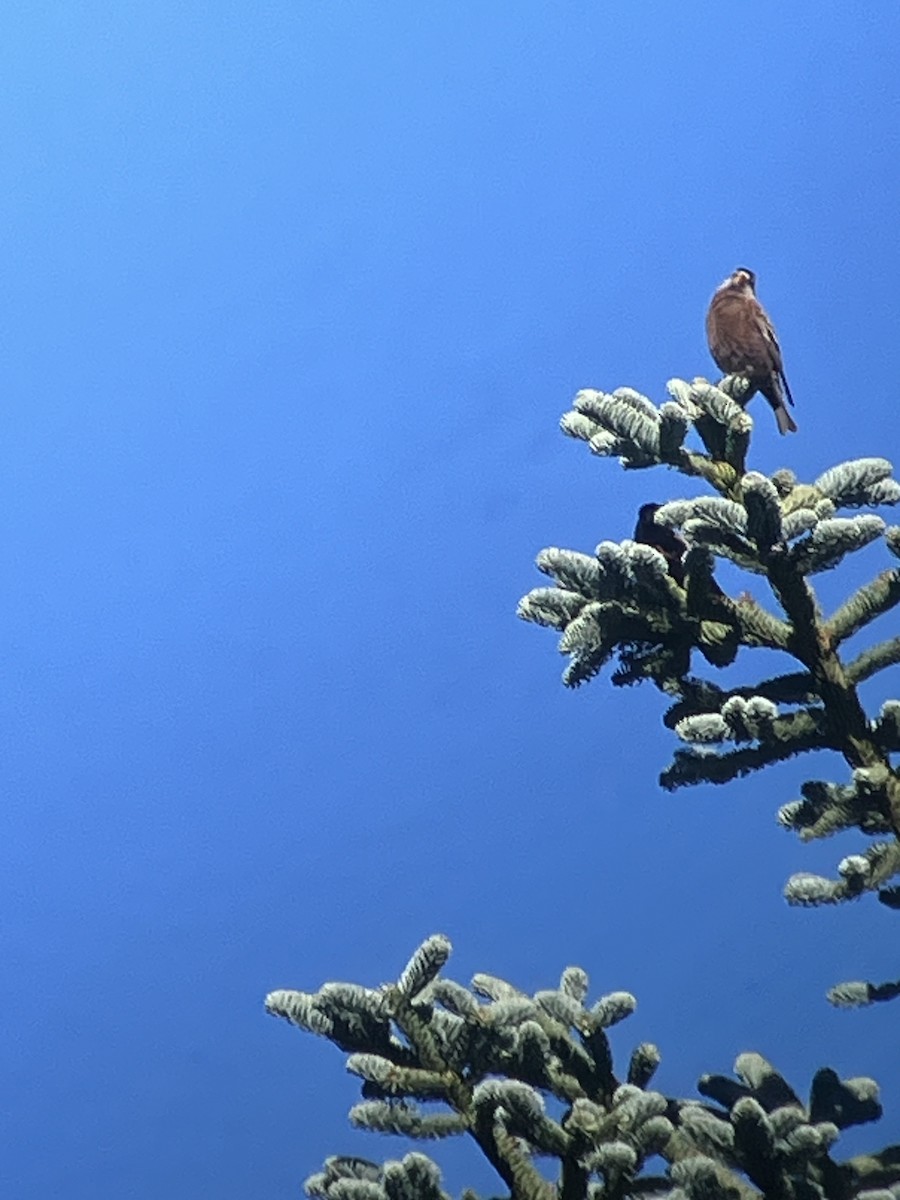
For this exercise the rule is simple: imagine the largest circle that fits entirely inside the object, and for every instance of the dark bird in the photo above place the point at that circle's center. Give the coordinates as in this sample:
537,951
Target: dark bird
743,342
673,548
661,538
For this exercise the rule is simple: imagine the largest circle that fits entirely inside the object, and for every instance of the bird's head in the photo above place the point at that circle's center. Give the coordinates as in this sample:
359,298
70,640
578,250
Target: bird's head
647,512
742,279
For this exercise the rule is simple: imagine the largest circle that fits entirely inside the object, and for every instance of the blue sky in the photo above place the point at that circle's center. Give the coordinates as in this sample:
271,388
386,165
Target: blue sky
294,295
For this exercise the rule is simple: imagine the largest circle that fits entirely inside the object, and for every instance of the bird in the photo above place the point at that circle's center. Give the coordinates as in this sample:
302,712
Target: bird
743,342
661,538
673,548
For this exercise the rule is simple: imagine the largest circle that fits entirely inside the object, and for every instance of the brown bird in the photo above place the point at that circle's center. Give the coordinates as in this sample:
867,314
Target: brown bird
743,342
661,538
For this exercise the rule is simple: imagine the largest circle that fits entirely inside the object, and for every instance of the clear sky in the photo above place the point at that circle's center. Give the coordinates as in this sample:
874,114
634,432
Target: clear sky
294,294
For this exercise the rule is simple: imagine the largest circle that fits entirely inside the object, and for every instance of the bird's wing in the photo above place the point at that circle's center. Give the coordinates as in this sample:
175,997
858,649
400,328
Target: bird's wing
772,348
787,388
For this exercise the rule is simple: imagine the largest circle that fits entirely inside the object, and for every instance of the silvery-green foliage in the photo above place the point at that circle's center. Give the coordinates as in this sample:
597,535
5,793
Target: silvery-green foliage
703,728
438,1060
764,524
415,1177
828,808
807,890
749,718
856,869
741,719
456,998
519,1109
610,1010
621,423
808,1140
833,540
758,1142
759,1074
579,425
396,1080
852,484
345,1189
531,1054
353,1017
649,568
784,532
587,1117
300,1009
866,603
551,606
339,1170
653,1136
700,1178
424,965
633,1107
725,543
458,1037
574,982
613,1160
853,994
673,429
724,515
708,1131
613,562
798,522
509,1011
715,402
885,492
615,1156
575,572
406,1120
863,1090
645,1058
680,391
786,1119
639,403
858,873
342,1167
887,727
344,998
629,426
520,1099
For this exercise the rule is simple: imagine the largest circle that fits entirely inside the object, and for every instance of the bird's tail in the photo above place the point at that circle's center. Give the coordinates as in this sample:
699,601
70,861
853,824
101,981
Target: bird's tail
786,423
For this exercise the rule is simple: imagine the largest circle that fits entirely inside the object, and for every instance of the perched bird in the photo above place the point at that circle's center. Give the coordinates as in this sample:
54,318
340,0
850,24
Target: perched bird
743,342
670,545
661,538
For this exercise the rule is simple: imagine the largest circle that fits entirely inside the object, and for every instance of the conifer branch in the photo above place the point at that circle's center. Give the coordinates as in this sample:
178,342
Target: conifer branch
785,532
867,603
755,1137
436,1059
873,660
